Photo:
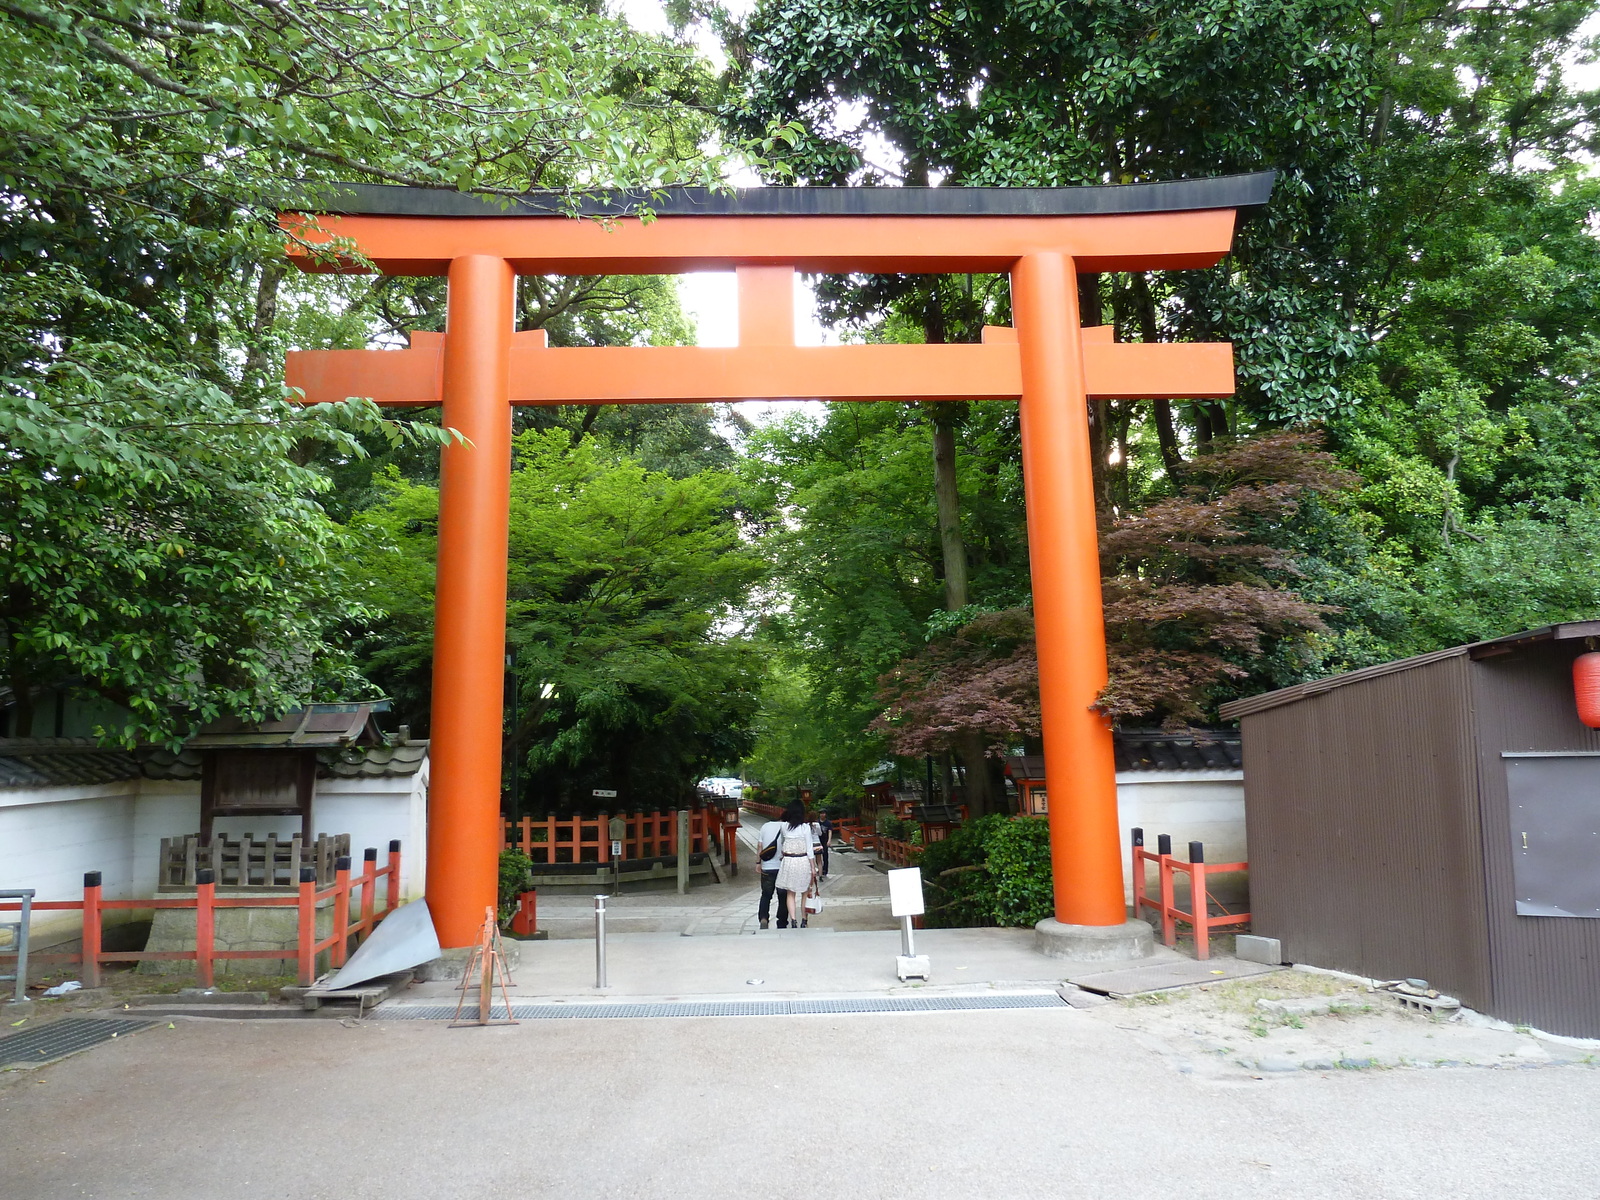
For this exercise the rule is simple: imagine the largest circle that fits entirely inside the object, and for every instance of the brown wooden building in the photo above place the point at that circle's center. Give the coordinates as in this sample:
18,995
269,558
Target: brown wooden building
1436,817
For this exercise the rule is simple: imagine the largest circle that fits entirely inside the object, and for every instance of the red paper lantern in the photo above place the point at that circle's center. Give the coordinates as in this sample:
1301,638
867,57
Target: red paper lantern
1586,688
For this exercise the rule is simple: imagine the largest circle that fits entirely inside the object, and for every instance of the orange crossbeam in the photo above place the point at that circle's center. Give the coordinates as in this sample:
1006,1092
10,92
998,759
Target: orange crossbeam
676,244
701,374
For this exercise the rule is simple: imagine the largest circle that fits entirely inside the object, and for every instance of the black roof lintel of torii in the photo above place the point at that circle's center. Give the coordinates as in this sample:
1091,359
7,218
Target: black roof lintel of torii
1240,192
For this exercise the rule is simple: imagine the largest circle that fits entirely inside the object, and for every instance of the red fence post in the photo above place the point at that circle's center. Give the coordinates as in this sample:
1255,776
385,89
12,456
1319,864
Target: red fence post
369,887
391,900
1199,906
341,910
205,892
306,926
1169,933
91,929
603,833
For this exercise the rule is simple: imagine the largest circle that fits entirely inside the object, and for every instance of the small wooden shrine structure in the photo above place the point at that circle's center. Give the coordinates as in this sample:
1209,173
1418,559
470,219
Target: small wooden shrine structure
269,768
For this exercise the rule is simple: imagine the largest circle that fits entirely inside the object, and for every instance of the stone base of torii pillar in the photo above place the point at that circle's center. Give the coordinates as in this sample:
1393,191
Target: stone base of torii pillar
1094,943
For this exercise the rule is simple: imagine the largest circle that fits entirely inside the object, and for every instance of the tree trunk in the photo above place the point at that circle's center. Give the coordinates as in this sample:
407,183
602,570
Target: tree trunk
1144,311
265,317
1092,313
981,796
1167,438
947,498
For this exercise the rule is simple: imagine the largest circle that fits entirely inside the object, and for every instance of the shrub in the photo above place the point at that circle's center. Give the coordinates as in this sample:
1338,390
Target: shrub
992,871
897,828
515,868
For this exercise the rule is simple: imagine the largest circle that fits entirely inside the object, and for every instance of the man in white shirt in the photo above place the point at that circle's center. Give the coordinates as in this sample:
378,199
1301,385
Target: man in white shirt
768,836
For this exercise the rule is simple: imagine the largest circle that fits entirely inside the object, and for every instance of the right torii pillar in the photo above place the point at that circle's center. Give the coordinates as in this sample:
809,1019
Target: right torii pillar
1091,921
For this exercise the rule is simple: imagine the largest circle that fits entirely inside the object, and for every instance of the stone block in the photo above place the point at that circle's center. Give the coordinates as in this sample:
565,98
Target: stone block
1252,947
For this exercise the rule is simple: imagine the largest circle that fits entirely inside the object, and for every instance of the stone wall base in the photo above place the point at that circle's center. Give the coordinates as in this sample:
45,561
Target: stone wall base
266,928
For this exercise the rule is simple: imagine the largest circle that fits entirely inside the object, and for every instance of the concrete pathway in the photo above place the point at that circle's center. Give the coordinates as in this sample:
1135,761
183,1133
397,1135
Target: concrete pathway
855,895
1325,1091
1016,1104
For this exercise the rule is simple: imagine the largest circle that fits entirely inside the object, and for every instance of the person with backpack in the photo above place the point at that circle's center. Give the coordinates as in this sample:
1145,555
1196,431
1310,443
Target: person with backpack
797,873
771,859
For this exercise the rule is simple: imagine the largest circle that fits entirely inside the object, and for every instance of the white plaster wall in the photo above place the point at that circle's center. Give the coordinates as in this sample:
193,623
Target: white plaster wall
165,808
51,836
1193,806
373,811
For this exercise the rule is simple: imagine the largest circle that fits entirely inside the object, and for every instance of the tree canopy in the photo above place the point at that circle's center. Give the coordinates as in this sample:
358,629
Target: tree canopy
165,544
1411,459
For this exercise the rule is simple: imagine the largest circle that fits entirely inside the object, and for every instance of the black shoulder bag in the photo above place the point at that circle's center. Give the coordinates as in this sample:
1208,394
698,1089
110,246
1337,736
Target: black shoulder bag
770,852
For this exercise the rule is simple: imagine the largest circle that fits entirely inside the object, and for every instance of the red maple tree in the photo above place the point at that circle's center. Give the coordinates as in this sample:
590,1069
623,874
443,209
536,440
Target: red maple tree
1198,585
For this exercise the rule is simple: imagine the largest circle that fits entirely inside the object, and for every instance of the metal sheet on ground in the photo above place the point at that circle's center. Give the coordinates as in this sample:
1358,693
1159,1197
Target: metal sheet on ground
405,938
1156,977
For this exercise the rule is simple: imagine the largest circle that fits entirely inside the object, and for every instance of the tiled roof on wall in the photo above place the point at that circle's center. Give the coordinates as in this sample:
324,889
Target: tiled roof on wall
58,762
1154,750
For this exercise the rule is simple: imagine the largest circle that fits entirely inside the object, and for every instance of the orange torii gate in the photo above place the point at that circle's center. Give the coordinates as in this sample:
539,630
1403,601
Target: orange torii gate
480,366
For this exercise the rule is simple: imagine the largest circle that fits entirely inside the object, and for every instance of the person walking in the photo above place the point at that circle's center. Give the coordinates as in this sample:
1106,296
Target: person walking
825,839
797,872
771,856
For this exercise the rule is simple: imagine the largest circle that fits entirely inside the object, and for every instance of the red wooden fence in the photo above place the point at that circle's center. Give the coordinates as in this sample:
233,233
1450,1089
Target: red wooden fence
588,839
1164,905
205,902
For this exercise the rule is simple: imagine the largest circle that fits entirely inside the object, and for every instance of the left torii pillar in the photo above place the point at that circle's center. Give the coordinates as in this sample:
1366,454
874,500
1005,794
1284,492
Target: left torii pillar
470,616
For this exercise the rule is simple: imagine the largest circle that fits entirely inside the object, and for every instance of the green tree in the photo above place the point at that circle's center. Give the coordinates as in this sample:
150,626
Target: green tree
163,544
1423,280
626,587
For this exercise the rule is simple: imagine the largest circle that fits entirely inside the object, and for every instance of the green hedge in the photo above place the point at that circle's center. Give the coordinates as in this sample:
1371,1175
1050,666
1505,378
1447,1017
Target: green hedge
992,871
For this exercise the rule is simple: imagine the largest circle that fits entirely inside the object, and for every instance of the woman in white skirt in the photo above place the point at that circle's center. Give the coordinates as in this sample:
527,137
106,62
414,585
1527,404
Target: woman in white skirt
797,871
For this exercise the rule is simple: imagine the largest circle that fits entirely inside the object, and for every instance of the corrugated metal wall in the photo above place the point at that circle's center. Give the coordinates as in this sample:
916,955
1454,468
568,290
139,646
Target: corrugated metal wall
1546,970
1365,835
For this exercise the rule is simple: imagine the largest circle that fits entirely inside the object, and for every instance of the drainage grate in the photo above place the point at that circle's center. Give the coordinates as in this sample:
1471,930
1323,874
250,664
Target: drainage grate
730,1008
61,1038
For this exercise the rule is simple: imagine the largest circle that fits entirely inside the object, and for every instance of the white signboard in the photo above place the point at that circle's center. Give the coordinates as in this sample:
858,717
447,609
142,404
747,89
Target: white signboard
905,892
605,793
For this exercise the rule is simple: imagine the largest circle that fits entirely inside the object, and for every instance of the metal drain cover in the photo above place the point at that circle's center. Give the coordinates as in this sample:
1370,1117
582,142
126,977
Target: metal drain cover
61,1038
729,1008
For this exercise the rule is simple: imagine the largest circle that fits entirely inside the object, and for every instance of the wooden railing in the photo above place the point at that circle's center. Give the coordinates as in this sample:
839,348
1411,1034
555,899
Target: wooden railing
771,811
588,839
1199,916
899,854
205,903
859,835
248,863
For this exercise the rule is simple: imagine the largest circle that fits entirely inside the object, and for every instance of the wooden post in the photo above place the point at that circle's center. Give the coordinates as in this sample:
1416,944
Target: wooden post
91,929
391,900
205,891
306,926
1197,900
369,887
341,910
681,837
1169,932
